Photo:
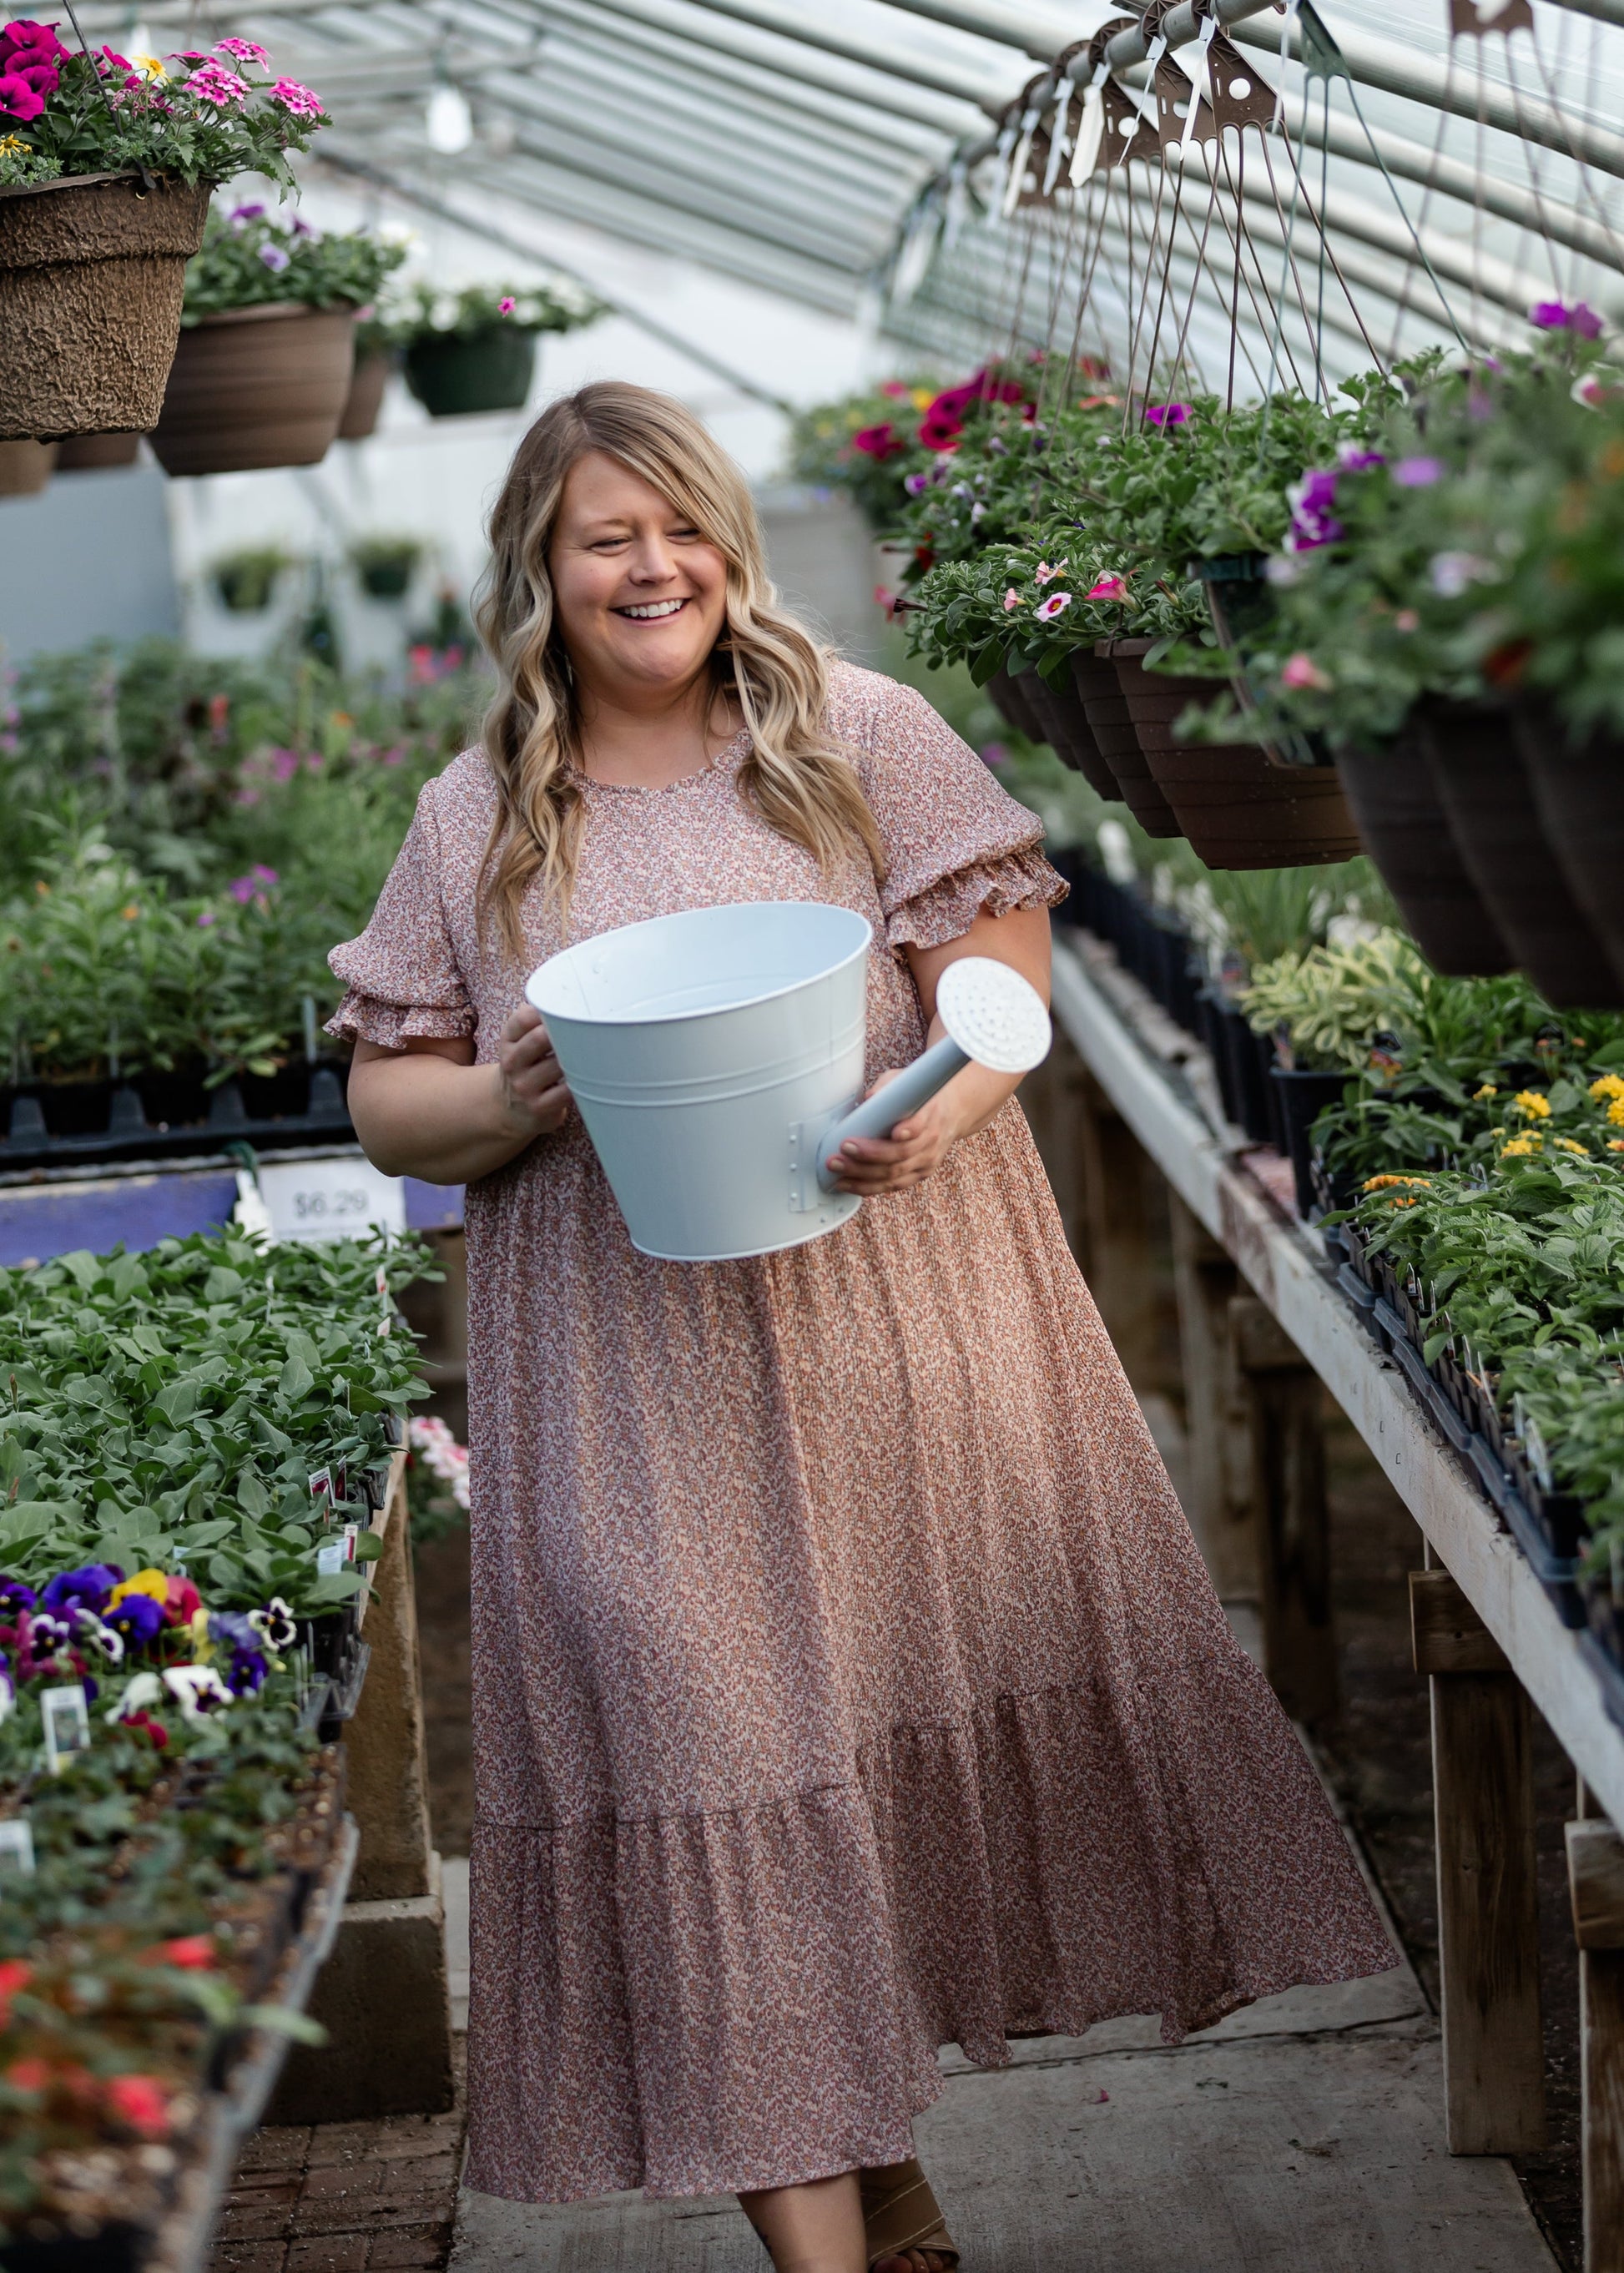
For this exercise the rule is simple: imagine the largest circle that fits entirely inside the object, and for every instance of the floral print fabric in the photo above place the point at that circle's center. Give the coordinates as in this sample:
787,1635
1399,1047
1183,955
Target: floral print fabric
846,1681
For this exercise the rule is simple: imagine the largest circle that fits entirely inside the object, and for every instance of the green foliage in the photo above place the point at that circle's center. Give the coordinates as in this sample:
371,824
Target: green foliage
251,260
168,1409
422,312
246,579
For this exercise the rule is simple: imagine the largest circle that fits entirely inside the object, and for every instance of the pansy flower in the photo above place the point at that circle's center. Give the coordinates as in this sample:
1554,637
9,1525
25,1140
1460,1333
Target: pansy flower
87,1587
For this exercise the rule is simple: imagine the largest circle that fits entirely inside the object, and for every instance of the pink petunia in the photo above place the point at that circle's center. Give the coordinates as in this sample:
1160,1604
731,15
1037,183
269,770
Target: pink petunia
18,100
25,41
302,101
506,306
1110,588
1301,671
1057,604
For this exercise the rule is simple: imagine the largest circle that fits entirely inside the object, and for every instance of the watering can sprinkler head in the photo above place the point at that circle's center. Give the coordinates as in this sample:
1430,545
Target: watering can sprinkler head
993,1019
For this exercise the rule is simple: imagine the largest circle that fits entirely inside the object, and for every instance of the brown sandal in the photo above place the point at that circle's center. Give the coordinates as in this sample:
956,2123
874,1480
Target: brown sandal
900,2213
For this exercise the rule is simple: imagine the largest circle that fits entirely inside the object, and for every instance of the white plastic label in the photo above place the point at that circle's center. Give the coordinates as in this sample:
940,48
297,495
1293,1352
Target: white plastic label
325,1197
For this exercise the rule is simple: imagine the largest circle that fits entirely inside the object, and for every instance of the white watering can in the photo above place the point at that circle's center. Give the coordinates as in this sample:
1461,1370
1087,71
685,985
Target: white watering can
715,1057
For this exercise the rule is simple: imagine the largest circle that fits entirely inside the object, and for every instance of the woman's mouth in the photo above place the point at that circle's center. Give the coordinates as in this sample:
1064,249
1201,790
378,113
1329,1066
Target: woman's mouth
650,611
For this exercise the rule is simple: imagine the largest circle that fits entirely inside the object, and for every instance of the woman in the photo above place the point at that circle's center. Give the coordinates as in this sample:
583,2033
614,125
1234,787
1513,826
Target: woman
846,1682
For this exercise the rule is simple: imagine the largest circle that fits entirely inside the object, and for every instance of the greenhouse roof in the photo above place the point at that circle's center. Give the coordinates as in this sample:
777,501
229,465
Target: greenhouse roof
1425,183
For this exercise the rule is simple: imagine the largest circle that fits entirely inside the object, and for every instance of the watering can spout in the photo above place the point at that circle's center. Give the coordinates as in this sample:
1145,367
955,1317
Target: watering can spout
993,1019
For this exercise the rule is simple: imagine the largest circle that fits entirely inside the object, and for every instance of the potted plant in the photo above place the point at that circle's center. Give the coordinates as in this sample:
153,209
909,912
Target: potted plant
385,565
245,580
266,346
106,171
474,349
376,356
96,454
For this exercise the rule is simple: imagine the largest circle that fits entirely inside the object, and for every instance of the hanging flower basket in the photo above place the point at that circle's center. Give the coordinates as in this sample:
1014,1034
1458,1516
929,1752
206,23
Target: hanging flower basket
256,386
1403,828
455,376
93,454
1105,704
1237,808
92,272
365,400
1578,789
26,468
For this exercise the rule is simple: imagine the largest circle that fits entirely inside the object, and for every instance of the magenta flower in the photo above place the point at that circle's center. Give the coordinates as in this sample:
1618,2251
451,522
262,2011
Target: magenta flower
302,101
284,764
25,41
506,305
878,442
208,917
1110,588
1558,316
241,214
18,100
1353,459
1417,473
1057,604
1313,523
213,84
275,258
1168,414
254,885
916,485
994,754
1301,671
244,50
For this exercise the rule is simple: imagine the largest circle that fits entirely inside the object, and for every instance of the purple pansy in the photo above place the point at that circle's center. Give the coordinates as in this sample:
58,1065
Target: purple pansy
86,1589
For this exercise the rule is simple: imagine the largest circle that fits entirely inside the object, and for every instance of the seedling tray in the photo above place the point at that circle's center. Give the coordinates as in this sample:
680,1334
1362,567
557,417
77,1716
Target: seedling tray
163,1120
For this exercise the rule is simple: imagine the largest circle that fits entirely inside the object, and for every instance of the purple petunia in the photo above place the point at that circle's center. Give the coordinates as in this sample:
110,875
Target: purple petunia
1168,414
1313,520
275,258
1417,473
1558,316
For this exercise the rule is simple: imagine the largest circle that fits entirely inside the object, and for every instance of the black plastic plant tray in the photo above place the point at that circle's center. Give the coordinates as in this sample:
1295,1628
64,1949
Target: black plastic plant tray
127,1126
1609,1676
1557,1574
344,1693
1353,1287
111,2249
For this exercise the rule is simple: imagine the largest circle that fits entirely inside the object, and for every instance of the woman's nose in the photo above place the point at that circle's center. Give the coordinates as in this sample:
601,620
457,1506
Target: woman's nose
652,562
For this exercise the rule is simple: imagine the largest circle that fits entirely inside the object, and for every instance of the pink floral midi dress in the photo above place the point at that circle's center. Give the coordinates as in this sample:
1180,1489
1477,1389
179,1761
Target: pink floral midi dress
846,1681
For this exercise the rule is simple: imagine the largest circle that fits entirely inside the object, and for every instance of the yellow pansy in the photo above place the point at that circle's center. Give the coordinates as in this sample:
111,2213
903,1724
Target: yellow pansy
1534,1103
155,1583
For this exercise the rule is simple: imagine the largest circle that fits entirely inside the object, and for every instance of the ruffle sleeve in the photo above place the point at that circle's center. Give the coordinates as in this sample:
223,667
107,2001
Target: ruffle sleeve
401,977
957,845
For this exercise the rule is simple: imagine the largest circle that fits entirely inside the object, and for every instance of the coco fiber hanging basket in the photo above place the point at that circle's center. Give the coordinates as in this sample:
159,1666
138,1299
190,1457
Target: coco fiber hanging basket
92,270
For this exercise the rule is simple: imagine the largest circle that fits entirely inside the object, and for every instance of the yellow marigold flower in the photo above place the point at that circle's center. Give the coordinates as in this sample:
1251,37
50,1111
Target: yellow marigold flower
1534,1103
1615,1143
1610,1084
1568,1144
1521,1148
1381,1183
1488,1089
1615,1113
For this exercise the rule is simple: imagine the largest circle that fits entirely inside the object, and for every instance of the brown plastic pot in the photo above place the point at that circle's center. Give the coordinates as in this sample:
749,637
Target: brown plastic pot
91,271
1403,827
1237,808
1105,705
365,400
1483,787
93,454
1578,790
1007,693
257,386
1068,733
26,468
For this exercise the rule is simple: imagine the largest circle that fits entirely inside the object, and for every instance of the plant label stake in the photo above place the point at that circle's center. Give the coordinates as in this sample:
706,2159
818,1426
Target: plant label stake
67,1723
16,1850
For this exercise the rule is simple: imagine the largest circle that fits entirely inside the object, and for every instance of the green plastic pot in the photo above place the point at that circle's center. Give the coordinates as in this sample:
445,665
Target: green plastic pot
454,375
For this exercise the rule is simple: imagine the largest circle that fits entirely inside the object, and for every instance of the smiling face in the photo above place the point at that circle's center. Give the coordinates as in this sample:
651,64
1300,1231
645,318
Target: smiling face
641,596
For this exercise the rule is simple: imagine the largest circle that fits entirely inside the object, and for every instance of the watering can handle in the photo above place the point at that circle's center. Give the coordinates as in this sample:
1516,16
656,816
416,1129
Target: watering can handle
877,1115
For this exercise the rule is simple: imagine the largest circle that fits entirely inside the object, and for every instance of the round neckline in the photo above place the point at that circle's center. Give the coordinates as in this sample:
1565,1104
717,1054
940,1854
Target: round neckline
731,750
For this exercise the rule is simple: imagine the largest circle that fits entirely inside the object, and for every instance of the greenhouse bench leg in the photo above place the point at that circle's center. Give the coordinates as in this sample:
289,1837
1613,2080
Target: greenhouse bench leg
1596,1881
1488,1913
1222,1511
384,1996
1288,1488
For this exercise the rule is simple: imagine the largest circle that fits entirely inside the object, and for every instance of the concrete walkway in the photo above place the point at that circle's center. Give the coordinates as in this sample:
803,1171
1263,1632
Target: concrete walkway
1302,2135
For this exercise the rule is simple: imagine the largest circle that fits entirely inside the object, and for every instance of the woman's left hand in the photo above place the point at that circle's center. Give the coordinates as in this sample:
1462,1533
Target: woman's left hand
914,1151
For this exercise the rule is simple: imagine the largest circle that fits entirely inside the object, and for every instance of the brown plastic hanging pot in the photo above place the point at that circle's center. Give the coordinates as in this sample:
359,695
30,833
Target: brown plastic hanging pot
26,468
93,454
1485,792
1068,733
1006,691
257,386
1402,826
1101,681
1578,790
365,400
92,272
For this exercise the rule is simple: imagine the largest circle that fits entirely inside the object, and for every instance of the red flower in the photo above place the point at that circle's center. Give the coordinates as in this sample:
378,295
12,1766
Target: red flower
193,1952
15,1974
939,430
180,1602
880,442
140,2101
143,1721
31,2074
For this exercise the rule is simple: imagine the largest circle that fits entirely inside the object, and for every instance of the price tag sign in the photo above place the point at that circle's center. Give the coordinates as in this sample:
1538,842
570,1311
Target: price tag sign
331,1197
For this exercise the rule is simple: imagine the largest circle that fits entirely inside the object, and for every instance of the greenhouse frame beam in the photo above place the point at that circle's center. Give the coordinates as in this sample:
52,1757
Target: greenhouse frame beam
481,227
967,82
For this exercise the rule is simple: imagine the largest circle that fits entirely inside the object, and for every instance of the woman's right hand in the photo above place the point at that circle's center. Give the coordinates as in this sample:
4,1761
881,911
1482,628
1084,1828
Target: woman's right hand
534,1093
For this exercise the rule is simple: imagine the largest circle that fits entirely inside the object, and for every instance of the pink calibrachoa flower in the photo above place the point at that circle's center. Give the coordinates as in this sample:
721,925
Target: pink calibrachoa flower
222,89
1012,601
1057,604
1110,588
302,101
506,305
1301,671
1044,574
244,50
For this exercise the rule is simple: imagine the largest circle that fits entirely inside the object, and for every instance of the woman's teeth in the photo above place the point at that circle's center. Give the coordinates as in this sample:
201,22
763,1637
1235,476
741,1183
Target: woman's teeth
655,609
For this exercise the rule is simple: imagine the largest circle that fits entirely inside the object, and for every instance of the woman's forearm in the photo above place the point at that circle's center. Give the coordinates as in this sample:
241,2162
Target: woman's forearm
418,1114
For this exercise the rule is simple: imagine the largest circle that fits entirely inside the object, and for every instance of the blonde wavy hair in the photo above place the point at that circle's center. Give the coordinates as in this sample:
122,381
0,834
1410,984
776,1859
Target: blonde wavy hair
796,776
